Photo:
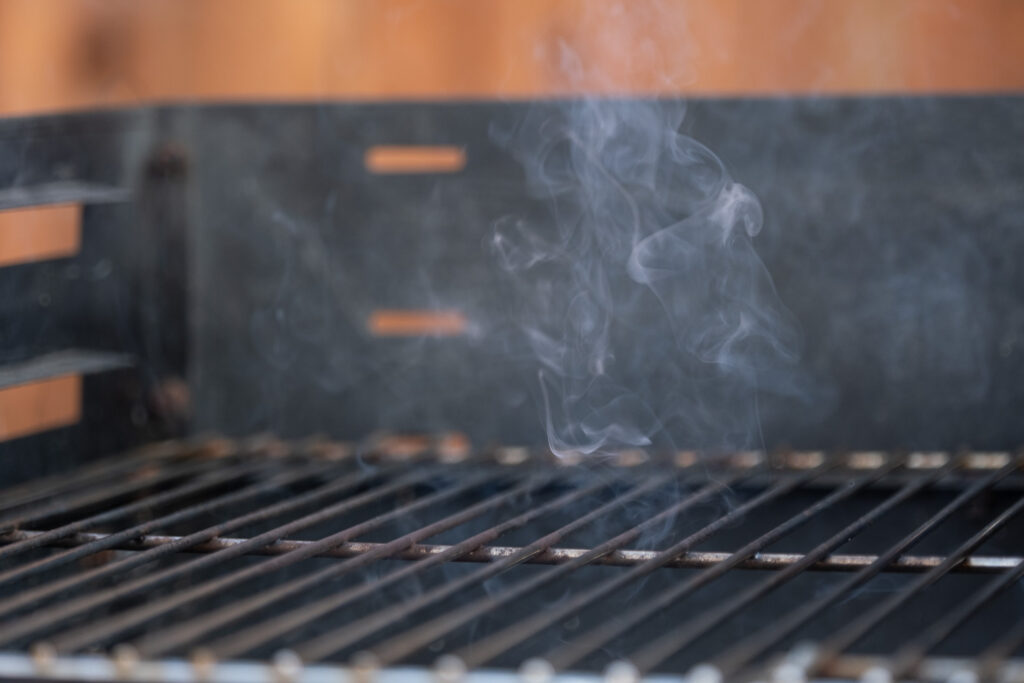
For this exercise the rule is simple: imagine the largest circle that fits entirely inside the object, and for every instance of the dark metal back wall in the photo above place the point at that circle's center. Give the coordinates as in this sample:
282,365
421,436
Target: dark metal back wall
892,232
99,313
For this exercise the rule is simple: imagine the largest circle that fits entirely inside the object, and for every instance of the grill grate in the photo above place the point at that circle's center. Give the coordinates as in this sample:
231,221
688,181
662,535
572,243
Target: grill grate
888,564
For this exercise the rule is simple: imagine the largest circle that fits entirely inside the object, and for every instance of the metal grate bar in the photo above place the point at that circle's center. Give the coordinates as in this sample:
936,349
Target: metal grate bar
596,562
212,481
850,635
46,619
333,641
482,652
144,482
836,562
652,654
100,471
179,544
578,648
734,659
910,656
402,645
990,661
185,632
82,637
248,639
128,483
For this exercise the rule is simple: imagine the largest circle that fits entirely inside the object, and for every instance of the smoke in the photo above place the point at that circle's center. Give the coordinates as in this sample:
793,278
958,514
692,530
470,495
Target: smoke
638,288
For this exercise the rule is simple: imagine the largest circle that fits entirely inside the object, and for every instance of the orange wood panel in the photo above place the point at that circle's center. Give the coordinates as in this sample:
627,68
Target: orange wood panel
39,233
35,407
58,54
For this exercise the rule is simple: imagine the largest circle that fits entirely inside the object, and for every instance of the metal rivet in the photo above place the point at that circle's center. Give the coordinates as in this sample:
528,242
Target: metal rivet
287,666
569,458
803,654
364,667
203,663
876,674
789,672
747,459
621,671
452,447
449,669
512,455
865,460
217,447
986,461
329,450
631,458
927,461
536,670
705,673
805,460
44,656
126,660
686,458
963,676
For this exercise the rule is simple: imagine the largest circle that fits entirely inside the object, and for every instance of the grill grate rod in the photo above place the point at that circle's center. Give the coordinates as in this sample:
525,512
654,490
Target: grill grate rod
652,654
483,651
570,653
837,562
114,493
856,630
246,639
178,544
910,656
178,499
97,633
42,620
998,652
739,656
180,634
58,485
400,646
216,479
349,634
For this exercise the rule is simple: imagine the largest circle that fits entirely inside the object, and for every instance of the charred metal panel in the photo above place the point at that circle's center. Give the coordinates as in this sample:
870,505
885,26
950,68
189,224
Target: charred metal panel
892,234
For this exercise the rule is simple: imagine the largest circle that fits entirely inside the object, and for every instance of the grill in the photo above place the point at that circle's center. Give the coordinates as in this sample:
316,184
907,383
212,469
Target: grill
200,559
333,268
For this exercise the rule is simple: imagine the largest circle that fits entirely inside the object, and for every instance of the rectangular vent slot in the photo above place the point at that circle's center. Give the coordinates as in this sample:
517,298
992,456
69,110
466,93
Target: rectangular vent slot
397,159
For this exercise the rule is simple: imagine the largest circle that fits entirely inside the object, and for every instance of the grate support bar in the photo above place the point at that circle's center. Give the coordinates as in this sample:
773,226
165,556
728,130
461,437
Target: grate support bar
837,562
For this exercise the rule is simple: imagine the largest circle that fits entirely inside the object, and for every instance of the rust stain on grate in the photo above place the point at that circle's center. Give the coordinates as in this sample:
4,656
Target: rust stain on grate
39,233
394,159
416,323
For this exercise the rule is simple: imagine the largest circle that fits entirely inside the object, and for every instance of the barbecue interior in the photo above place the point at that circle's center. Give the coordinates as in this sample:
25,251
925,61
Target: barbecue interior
386,554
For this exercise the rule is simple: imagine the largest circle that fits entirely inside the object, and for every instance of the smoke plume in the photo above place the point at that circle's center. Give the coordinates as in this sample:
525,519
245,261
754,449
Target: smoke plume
650,316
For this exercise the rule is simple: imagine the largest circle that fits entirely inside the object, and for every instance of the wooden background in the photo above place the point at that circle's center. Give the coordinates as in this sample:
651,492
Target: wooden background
70,54
58,54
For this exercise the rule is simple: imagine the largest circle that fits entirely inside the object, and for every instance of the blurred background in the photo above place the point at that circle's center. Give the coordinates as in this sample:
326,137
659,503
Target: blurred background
60,54
66,55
